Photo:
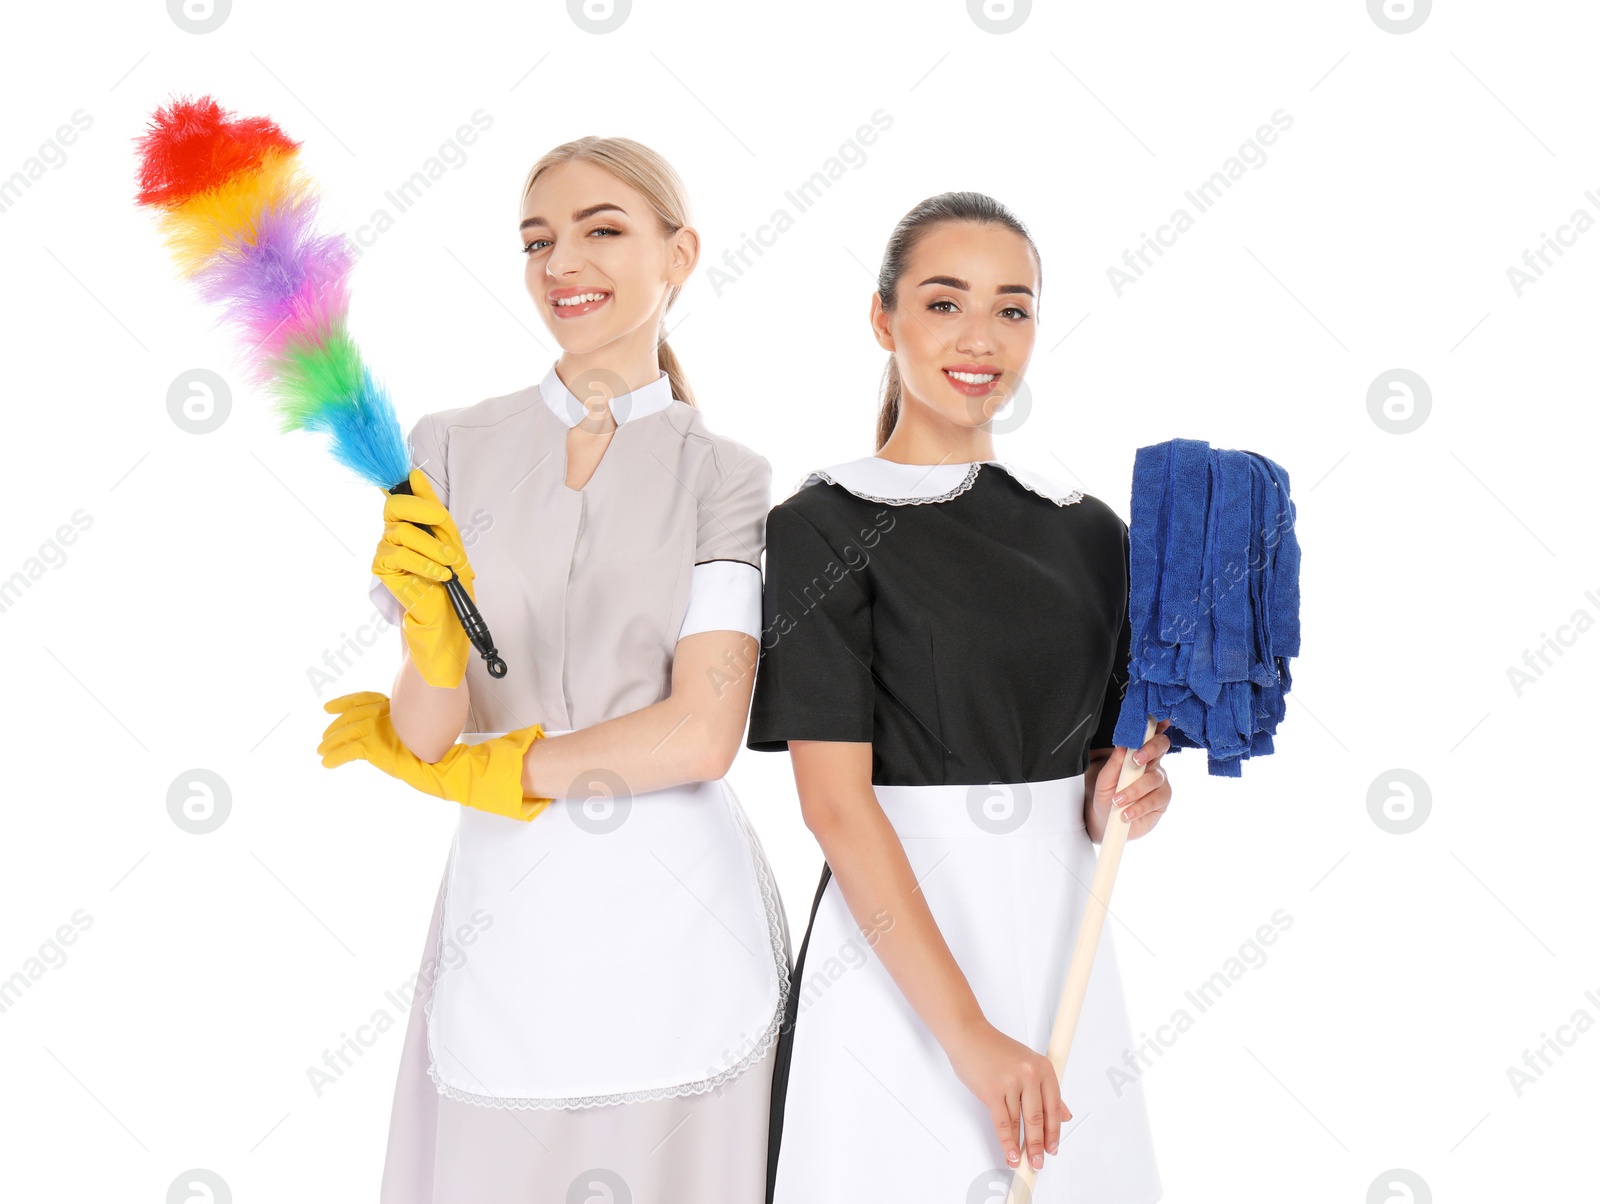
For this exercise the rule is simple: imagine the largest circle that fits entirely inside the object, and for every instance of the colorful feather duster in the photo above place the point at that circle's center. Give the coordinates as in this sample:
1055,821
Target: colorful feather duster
241,221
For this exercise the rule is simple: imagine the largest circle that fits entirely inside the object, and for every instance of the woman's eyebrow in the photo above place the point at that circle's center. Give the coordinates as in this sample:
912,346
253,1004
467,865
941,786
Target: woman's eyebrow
955,282
577,216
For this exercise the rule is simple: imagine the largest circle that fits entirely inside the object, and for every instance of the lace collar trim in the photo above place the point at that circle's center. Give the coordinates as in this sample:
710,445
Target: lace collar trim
875,479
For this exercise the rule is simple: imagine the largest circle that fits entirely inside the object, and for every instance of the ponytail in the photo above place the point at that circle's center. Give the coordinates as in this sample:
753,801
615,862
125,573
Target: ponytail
889,407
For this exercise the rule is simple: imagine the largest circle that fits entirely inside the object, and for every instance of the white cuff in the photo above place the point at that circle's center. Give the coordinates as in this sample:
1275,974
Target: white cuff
724,595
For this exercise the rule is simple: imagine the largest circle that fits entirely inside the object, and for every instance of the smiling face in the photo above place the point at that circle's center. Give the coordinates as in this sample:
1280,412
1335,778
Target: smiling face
963,323
600,268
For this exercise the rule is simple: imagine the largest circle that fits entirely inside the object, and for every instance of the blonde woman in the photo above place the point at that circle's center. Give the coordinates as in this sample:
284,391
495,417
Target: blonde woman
604,975
945,653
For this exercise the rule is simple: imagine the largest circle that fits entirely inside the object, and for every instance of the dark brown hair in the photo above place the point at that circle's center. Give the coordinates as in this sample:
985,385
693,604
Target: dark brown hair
946,207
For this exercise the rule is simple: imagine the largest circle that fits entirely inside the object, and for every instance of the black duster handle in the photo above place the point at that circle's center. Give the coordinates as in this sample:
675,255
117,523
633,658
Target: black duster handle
466,609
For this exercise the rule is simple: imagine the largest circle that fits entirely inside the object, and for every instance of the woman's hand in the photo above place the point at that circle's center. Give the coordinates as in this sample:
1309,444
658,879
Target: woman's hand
1016,1084
486,775
1147,795
413,565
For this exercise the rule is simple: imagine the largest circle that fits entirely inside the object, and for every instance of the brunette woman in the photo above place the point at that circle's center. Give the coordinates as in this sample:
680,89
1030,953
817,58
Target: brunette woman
945,645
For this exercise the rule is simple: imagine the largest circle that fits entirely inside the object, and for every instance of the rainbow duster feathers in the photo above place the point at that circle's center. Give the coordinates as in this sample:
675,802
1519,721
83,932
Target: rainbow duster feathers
240,219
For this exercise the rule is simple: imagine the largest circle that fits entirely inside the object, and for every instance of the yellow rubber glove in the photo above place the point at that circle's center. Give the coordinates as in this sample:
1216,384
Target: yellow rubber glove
486,776
412,564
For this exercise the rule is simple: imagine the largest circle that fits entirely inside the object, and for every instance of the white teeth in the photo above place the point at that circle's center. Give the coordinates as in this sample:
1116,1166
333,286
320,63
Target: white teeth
581,298
974,378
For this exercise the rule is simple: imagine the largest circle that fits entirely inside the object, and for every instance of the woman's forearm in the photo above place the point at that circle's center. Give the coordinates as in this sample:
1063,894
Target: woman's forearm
692,735
658,746
426,718
878,885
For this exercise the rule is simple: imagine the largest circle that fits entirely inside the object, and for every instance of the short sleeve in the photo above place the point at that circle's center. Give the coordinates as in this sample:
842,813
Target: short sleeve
814,676
725,587
427,446
733,515
724,595
1117,682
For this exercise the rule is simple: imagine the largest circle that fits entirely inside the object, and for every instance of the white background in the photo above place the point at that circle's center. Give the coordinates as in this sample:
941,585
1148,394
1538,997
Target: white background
181,628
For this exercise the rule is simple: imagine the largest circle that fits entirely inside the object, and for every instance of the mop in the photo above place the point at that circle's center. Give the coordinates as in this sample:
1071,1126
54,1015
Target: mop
240,219
1214,608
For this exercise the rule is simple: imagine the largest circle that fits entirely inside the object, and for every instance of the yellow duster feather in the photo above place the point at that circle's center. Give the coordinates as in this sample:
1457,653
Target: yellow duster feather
198,228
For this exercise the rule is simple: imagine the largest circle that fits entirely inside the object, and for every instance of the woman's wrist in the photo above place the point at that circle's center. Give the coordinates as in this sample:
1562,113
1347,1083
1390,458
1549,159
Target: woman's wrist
1093,824
1091,821
963,1020
535,764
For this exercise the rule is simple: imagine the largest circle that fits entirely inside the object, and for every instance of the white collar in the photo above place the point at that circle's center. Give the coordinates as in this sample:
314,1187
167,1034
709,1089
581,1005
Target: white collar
646,399
878,480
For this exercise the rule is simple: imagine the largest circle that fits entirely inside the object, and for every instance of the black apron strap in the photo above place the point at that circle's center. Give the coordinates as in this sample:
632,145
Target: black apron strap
780,1068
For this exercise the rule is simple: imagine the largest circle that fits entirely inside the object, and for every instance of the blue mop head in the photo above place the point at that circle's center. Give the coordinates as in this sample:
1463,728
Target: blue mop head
1214,600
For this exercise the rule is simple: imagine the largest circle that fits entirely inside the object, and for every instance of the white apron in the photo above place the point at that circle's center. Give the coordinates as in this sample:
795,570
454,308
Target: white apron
607,951
873,1110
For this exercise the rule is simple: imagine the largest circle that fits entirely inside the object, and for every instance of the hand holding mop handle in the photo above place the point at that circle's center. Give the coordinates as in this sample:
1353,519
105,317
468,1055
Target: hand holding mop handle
1094,916
1209,646
466,609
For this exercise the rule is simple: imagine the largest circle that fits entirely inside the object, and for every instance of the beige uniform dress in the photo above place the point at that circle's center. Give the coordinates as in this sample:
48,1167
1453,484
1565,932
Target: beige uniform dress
601,988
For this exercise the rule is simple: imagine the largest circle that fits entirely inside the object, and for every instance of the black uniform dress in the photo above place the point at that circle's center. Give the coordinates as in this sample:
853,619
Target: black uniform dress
970,621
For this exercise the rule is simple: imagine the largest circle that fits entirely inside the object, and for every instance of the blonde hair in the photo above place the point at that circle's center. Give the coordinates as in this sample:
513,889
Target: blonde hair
641,168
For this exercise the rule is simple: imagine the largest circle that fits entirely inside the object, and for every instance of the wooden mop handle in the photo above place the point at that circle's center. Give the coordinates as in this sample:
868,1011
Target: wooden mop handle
1094,916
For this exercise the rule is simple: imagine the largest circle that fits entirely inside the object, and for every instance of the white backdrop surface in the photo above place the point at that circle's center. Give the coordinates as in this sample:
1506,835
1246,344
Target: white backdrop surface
1422,1024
